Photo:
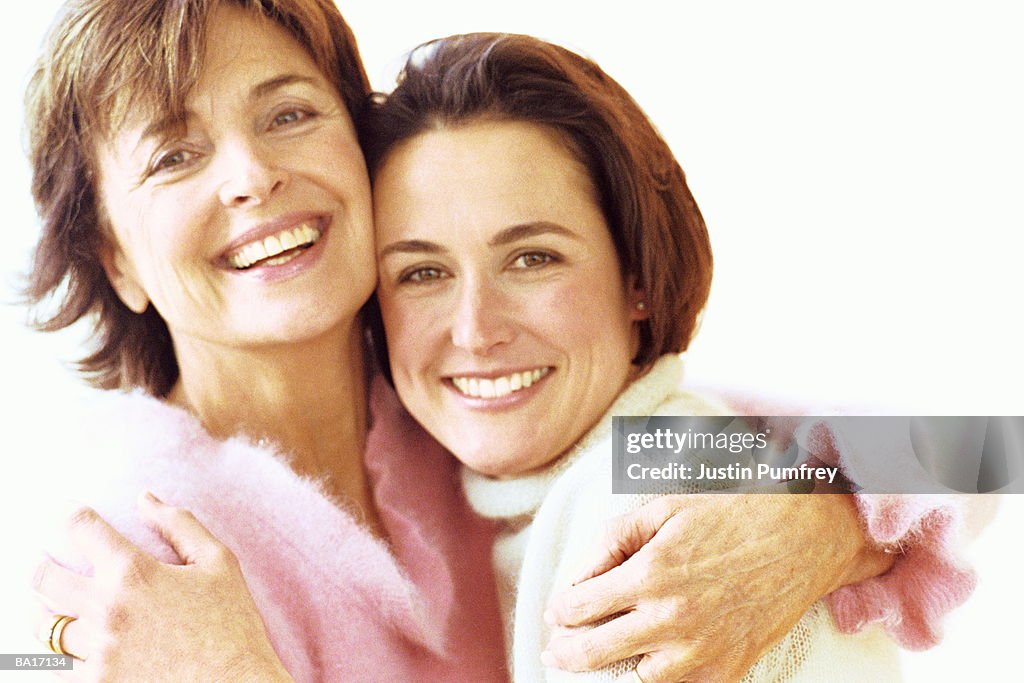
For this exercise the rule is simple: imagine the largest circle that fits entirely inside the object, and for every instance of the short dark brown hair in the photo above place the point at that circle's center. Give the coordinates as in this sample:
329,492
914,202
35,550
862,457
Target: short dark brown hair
658,231
104,59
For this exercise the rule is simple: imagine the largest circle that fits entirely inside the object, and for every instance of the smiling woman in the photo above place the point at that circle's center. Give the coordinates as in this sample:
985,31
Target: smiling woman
264,149
202,201
530,220
502,292
167,149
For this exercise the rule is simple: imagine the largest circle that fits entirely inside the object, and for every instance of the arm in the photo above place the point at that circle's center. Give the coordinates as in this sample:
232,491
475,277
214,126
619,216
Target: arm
924,531
141,619
707,576
928,578
908,592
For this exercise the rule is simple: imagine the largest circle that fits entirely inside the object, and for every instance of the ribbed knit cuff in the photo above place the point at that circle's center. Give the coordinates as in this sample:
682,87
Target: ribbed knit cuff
927,581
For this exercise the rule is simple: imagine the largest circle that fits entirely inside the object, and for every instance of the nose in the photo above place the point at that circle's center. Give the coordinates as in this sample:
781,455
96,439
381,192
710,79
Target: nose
251,175
482,319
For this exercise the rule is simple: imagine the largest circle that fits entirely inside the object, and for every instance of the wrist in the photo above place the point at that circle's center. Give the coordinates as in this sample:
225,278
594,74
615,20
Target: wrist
866,559
871,561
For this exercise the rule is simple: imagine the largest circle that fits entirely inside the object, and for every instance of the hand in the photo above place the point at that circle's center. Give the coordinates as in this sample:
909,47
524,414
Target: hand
706,584
139,619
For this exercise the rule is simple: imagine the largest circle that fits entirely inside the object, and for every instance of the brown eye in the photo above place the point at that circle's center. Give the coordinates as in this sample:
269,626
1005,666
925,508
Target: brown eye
172,160
533,259
422,275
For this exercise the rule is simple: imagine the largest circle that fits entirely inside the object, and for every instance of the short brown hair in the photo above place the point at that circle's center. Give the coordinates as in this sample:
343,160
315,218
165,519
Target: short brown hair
104,59
657,229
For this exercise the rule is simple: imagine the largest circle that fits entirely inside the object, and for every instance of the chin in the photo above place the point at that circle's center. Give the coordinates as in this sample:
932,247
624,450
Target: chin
499,465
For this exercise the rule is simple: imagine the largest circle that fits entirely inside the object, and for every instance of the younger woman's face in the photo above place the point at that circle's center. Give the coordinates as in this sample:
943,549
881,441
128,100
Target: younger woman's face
510,329
239,226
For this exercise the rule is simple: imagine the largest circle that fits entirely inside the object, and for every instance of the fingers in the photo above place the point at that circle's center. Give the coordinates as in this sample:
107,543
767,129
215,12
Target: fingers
97,541
624,536
616,589
668,667
652,669
589,649
689,665
74,639
192,541
594,599
59,587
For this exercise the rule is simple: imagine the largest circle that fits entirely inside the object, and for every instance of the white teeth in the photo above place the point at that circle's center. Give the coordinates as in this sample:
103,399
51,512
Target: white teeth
255,252
273,246
278,260
498,386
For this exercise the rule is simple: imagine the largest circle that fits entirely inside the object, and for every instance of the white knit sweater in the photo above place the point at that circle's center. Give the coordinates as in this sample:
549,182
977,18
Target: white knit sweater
551,518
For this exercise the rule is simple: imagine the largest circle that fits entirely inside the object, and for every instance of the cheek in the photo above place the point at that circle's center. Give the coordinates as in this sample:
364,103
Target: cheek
412,328
340,161
583,310
141,244
170,250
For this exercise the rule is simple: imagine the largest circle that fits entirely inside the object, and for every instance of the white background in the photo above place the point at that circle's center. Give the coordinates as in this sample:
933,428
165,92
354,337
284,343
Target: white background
860,167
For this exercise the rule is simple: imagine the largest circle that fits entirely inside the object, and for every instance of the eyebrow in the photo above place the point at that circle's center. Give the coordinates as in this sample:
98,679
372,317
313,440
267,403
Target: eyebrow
513,233
270,85
160,127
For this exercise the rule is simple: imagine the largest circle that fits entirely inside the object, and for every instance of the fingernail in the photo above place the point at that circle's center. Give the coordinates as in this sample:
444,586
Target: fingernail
549,617
547,659
40,572
148,495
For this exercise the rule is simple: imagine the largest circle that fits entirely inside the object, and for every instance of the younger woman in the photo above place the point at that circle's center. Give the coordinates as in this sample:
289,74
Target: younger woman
542,263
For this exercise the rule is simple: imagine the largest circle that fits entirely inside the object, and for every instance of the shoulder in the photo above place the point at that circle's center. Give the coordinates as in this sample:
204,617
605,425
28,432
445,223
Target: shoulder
111,446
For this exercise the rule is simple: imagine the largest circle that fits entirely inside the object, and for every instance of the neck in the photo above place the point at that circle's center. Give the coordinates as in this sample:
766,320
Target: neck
309,399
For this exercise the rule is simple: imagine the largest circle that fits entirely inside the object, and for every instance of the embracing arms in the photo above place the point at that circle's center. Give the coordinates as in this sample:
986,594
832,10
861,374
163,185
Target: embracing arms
704,606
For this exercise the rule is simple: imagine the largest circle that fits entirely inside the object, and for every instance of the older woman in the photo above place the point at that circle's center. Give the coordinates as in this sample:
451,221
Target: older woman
205,200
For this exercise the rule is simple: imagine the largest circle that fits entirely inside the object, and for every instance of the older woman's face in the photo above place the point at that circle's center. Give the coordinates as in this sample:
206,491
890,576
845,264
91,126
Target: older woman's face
509,327
253,225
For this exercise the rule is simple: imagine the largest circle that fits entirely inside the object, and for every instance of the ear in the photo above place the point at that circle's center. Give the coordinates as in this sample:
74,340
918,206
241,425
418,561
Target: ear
122,278
639,307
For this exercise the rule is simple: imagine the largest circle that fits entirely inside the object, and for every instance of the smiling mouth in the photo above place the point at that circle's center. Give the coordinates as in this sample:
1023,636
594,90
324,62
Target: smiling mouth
276,249
496,387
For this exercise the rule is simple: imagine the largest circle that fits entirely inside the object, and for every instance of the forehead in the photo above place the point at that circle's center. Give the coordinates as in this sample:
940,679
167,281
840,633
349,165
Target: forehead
485,172
242,48
218,57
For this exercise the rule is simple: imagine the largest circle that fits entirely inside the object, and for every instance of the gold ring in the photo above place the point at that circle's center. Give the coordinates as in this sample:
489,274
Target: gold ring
636,676
60,622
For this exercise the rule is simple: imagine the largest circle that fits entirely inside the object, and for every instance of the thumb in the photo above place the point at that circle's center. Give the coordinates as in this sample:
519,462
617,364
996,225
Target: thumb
624,536
192,541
